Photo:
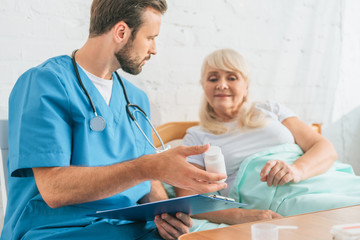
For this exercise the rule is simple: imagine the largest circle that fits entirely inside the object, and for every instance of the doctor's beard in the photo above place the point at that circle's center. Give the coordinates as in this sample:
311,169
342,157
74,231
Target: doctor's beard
129,64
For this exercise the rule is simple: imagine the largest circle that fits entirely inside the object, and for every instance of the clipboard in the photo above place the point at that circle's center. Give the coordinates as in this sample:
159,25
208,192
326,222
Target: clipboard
193,204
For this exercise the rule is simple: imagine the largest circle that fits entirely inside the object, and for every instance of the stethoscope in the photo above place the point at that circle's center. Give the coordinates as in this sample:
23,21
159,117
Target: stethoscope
98,123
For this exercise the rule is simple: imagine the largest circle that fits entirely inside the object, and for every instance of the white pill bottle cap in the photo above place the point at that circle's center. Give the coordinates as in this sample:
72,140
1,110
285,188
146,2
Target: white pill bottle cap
213,153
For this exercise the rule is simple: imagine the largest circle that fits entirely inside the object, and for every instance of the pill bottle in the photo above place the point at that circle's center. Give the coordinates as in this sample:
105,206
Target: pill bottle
214,161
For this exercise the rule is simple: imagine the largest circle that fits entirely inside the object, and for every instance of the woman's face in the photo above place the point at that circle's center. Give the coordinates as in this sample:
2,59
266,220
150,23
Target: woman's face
225,91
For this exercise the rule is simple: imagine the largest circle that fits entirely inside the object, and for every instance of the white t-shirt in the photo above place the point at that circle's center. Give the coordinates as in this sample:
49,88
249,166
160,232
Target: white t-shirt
238,144
104,86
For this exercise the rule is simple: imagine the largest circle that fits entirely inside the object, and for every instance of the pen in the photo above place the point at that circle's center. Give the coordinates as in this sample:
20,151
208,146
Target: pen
222,197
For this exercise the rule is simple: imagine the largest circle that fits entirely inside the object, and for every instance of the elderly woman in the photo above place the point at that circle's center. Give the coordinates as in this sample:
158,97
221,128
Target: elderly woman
267,148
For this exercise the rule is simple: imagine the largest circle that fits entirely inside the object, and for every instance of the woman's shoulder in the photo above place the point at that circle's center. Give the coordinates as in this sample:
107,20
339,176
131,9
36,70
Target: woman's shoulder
274,108
268,105
196,130
194,136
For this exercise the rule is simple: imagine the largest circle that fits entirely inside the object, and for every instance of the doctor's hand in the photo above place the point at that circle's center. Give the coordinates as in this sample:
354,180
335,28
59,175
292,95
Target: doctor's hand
277,172
171,167
170,227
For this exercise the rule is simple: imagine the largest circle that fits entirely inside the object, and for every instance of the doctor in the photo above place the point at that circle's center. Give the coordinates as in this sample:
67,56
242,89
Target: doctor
77,137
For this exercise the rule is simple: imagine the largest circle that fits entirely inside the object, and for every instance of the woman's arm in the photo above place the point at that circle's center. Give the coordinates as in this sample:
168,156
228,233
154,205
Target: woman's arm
319,155
169,226
230,216
157,193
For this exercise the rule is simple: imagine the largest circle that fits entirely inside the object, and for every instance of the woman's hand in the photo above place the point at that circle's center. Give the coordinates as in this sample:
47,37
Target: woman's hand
251,215
170,227
277,172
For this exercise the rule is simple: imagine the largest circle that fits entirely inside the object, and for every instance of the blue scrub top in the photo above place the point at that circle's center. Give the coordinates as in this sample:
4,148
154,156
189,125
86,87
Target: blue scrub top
49,118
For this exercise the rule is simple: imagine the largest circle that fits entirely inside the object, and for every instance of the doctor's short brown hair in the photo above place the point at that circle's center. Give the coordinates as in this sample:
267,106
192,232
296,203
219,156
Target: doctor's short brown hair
106,13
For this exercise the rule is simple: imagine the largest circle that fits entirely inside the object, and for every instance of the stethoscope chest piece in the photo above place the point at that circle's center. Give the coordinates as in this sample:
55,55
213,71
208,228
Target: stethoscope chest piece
97,124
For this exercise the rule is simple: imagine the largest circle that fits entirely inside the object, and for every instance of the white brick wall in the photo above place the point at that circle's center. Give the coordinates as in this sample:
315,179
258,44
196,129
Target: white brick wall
304,54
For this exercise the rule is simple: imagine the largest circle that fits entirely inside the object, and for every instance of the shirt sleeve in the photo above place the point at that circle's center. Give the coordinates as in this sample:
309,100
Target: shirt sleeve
193,138
39,123
277,110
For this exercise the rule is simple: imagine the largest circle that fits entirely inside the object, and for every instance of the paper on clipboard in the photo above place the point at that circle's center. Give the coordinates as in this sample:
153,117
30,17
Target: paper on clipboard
193,204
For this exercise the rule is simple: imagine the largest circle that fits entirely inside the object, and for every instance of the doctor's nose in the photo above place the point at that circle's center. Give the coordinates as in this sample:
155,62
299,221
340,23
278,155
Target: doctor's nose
153,49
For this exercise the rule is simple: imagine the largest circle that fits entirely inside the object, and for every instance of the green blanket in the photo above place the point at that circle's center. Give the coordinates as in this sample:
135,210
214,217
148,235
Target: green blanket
337,187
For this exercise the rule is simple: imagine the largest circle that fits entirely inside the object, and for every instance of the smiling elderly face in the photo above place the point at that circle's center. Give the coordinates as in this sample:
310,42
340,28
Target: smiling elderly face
225,91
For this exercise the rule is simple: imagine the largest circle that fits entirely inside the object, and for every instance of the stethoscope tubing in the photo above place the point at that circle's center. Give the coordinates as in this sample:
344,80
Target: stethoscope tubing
81,83
101,121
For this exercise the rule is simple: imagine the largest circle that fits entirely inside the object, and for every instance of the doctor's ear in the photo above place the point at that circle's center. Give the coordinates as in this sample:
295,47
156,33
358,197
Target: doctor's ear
121,32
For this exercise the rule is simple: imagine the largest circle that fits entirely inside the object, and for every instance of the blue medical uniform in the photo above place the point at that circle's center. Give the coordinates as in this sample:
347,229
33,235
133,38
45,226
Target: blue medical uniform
49,117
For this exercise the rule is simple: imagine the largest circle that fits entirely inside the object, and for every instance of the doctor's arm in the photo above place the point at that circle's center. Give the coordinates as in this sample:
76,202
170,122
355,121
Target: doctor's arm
61,186
319,155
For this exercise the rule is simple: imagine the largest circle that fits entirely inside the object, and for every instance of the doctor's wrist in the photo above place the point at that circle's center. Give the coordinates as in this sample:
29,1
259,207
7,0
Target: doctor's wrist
146,167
